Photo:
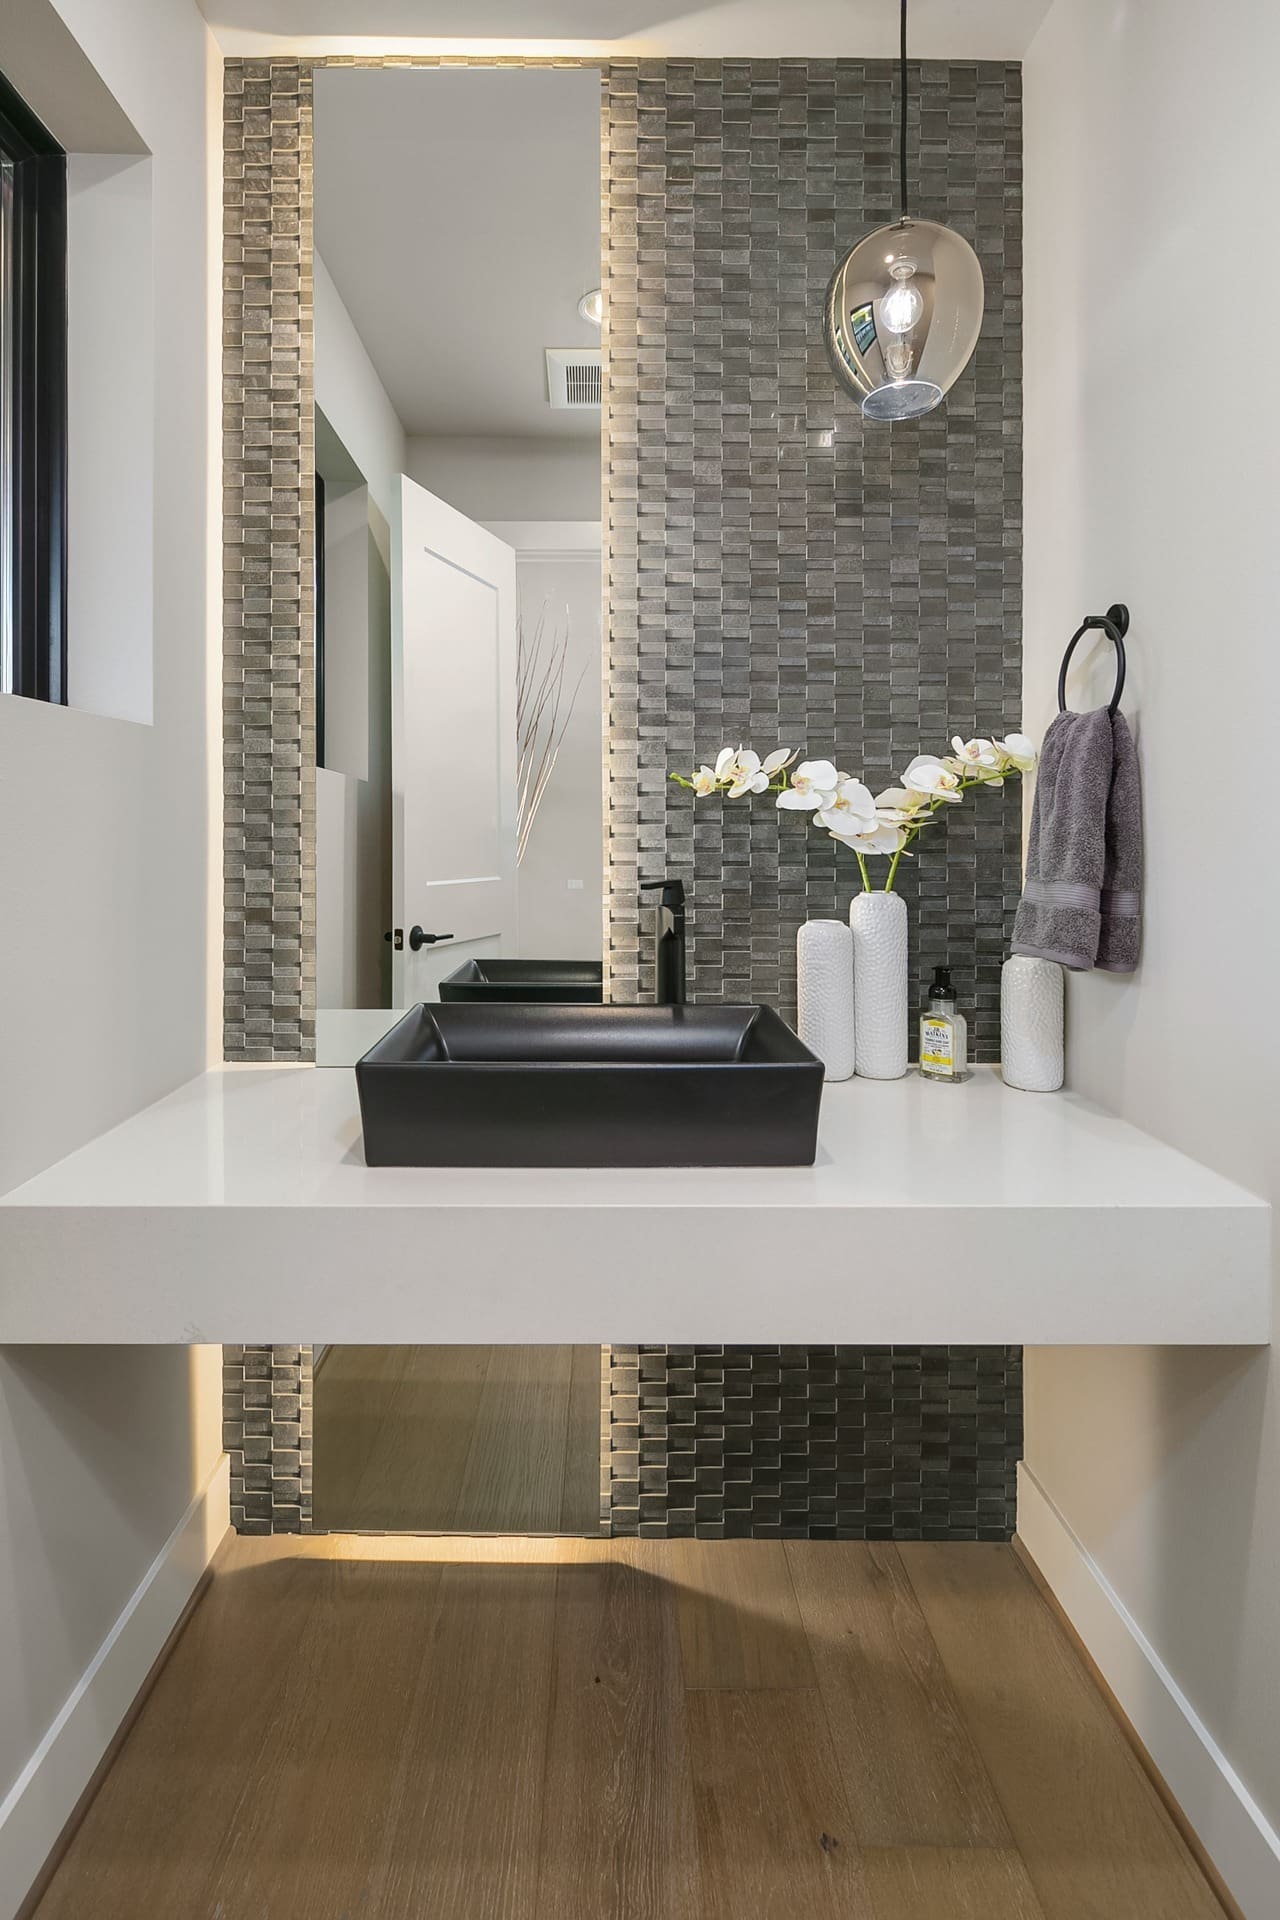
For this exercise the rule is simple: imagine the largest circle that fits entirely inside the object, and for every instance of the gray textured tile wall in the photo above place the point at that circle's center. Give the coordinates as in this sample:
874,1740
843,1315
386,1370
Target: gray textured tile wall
779,573
268,560
840,1443
267,1432
775,572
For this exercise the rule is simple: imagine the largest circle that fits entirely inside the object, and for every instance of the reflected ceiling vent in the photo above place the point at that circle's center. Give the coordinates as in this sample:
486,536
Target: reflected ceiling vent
573,376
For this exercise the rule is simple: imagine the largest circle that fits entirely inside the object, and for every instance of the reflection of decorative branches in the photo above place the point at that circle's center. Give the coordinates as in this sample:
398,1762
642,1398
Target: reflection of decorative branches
542,715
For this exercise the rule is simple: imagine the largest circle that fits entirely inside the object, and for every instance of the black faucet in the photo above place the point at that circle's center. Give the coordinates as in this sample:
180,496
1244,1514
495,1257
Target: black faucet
669,987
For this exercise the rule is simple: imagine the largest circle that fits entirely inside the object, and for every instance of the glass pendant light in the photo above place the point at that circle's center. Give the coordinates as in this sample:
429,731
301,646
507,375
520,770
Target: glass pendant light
904,309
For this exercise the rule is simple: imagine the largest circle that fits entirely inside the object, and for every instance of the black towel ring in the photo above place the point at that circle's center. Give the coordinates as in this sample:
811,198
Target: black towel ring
1115,624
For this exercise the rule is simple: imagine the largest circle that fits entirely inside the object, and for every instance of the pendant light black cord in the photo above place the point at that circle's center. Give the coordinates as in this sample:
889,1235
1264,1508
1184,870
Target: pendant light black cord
902,151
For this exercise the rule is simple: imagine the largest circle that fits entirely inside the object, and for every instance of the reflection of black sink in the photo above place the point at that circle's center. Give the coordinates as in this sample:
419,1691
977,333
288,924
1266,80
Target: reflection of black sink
578,983
522,1086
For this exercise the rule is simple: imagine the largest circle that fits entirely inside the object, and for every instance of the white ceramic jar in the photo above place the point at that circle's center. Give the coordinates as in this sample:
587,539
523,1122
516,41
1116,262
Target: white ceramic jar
824,994
1032,1053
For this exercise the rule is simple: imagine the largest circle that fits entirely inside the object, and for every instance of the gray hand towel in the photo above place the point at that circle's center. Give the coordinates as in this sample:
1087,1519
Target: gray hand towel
1120,936
1060,917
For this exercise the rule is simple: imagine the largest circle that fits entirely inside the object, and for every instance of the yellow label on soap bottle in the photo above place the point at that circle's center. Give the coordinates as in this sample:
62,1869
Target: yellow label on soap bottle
937,1044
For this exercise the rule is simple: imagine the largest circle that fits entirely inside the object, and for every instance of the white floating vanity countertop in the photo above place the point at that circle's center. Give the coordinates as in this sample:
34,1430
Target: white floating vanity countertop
239,1208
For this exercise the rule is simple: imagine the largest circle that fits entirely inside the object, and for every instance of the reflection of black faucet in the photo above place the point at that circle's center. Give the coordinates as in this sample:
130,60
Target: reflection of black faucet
669,931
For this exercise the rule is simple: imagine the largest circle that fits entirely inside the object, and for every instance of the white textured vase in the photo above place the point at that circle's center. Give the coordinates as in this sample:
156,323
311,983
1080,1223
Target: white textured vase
1031,1023
824,994
879,923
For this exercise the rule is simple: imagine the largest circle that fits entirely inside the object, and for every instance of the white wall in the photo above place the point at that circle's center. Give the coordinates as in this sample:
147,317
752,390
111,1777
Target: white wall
1153,477
353,793
353,399
346,619
339,873
496,477
104,874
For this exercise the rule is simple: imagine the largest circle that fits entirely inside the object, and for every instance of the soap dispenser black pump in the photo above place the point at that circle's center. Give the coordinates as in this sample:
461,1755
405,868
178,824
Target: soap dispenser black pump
669,989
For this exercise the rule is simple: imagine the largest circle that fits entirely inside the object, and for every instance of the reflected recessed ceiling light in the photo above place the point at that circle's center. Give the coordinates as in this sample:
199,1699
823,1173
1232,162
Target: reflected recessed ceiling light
591,307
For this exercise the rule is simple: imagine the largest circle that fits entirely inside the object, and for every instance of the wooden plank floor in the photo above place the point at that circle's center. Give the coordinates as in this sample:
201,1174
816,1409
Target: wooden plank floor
382,1728
458,1439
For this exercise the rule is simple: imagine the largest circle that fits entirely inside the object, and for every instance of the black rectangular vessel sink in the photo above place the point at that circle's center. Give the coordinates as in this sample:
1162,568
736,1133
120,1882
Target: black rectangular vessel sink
557,1086
564,982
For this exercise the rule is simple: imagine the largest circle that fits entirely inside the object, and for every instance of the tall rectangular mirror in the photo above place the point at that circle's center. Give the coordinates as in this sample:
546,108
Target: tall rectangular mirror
458,590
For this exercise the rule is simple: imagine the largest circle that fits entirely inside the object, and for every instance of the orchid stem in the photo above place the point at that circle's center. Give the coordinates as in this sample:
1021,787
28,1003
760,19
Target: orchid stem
866,877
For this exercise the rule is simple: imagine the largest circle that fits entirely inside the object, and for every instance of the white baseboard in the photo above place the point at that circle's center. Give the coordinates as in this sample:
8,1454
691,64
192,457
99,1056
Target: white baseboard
44,1796
1231,1827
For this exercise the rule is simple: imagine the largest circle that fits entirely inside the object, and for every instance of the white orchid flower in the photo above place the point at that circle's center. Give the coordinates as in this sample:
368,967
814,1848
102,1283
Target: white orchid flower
881,839
849,810
1017,751
741,771
736,768
812,784
896,806
982,756
928,775
746,775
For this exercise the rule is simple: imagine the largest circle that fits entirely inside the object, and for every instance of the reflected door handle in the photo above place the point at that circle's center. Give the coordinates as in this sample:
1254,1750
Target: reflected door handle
417,938
396,936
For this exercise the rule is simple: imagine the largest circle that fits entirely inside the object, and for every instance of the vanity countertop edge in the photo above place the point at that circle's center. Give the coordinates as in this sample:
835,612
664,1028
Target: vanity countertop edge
239,1208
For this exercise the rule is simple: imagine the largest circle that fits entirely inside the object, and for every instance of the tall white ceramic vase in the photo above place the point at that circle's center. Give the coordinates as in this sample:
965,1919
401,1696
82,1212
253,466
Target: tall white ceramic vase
1031,1024
824,994
879,923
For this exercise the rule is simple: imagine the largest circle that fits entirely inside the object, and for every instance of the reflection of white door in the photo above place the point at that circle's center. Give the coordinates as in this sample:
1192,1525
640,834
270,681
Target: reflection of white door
453,739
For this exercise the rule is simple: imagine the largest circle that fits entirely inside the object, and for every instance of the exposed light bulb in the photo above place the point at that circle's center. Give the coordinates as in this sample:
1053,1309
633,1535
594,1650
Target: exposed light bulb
903,305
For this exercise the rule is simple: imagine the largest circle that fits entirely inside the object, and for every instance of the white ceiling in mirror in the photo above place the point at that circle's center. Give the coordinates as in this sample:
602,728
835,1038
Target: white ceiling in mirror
941,29
458,214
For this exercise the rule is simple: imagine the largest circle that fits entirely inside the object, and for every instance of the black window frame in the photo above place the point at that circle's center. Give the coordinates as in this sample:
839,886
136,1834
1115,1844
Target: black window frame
33,285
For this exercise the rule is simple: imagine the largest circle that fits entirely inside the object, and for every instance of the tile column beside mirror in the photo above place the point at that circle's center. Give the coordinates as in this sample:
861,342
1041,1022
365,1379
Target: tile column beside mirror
776,572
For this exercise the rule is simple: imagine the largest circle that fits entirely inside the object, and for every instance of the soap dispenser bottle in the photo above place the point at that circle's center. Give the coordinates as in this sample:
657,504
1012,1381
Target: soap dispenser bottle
944,1033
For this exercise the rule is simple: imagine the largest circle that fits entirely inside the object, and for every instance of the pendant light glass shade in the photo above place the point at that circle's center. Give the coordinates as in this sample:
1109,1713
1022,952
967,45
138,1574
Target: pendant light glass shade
903,315
904,309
